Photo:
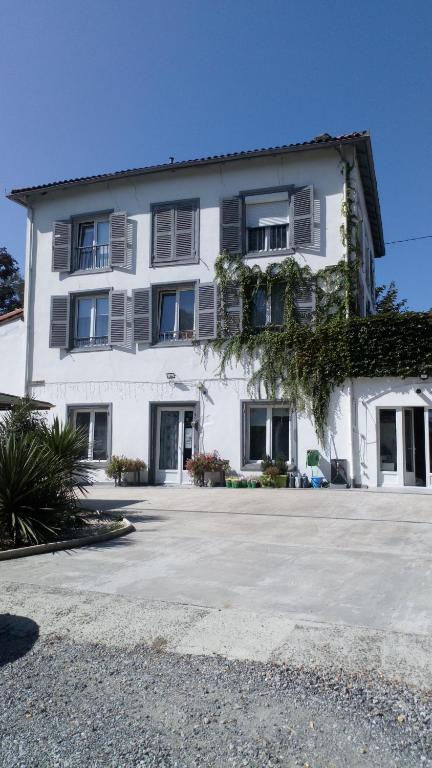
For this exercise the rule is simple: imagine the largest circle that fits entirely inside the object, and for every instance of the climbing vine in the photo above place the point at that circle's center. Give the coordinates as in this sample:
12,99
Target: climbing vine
303,363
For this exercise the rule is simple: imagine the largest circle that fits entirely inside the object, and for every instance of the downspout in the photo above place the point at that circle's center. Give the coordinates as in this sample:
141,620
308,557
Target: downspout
350,382
28,315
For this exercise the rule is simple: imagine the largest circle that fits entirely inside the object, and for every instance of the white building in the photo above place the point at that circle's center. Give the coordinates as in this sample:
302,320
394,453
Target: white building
12,353
119,281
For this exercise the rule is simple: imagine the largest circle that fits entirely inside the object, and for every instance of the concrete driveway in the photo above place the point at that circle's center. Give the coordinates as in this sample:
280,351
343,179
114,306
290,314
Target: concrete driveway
303,576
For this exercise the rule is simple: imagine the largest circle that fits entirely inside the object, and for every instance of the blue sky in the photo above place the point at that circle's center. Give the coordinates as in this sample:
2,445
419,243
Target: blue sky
101,85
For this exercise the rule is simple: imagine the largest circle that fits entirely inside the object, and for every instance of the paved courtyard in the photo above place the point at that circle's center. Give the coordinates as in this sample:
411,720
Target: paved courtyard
307,577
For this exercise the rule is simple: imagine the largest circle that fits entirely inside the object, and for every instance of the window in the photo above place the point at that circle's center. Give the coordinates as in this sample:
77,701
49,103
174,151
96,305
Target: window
268,308
267,432
175,233
176,314
388,445
94,423
92,245
91,320
267,222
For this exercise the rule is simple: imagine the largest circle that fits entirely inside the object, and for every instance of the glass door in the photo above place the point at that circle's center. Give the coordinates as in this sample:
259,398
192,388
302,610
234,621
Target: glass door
175,444
409,447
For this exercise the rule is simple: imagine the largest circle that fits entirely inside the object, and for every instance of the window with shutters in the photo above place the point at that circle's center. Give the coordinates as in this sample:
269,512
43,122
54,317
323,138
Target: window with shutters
94,422
267,221
268,307
91,245
90,320
175,314
175,233
267,431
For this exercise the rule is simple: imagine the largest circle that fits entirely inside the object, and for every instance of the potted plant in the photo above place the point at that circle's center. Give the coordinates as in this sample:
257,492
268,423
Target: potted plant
207,468
134,467
115,468
252,482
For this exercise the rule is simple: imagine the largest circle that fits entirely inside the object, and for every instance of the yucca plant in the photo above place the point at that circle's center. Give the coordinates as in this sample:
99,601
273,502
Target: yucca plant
41,472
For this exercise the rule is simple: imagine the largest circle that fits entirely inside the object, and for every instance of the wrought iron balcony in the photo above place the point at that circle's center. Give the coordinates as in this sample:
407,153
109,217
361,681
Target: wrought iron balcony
176,335
93,257
91,341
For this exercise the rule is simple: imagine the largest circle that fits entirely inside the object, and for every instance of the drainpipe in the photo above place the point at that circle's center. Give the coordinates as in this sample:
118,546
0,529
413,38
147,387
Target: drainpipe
27,299
350,383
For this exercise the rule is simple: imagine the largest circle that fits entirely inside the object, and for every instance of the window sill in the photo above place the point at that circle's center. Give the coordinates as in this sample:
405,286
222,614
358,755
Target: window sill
96,348
174,343
79,272
157,265
266,254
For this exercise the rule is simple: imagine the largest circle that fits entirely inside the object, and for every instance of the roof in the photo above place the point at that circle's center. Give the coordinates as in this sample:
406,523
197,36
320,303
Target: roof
14,315
361,140
8,401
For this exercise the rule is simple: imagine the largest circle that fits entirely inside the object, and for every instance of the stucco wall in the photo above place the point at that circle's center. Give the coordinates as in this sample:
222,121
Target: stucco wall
12,356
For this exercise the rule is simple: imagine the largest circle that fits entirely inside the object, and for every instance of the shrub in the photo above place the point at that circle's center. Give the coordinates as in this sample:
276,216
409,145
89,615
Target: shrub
115,468
281,465
118,465
40,473
266,462
205,462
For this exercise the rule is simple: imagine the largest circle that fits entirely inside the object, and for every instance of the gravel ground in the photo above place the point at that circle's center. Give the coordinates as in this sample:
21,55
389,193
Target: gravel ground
70,705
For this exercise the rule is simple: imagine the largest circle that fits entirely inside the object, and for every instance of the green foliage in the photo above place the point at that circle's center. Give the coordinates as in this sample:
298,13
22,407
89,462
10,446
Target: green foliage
11,283
205,462
303,364
40,473
387,299
115,468
120,464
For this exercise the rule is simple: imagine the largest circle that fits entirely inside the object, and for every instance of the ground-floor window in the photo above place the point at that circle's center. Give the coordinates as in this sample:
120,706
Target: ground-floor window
267,430
94,421
388,442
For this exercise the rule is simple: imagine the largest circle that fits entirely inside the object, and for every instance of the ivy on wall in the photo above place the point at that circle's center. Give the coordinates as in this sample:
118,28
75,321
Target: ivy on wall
303,364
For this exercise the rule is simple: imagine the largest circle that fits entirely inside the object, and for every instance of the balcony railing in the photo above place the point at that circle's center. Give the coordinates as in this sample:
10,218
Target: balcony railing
91,341
93,257
176,335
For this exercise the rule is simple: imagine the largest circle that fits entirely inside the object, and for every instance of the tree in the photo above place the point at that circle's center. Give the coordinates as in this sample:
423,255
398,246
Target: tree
387,299
11,283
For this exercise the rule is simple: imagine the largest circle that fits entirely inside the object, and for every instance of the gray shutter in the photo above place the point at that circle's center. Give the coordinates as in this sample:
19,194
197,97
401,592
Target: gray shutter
117,318
305,304
184,241
59,322
141,314
118,239
231,223
206,311
61,246
301,217
231,319
163,235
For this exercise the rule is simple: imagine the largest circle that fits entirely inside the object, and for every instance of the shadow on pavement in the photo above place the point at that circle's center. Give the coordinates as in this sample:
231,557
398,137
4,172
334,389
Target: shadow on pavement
18,634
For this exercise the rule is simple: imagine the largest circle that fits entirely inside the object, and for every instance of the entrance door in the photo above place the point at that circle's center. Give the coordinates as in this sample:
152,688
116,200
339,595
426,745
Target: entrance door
409,447
175,444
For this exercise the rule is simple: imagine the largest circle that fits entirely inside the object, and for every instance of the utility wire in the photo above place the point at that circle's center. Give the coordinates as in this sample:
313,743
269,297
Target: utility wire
408,239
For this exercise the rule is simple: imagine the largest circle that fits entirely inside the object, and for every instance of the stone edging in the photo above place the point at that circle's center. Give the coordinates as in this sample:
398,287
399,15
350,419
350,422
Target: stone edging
39,549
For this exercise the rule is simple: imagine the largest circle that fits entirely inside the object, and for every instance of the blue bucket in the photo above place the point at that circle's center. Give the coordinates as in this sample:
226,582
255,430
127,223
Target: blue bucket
316,482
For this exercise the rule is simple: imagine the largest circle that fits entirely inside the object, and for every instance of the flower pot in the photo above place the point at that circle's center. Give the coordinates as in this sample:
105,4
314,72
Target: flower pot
252,484
214,478
228,483
235,483
280,481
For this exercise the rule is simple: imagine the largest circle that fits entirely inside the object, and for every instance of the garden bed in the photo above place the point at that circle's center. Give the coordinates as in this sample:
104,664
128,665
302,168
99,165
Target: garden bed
95,527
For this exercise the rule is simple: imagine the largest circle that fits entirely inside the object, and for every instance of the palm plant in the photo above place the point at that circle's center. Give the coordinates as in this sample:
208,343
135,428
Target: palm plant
41,472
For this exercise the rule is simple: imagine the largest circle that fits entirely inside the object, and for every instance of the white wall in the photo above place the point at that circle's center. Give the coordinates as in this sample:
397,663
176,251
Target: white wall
12,356
370,395
129,379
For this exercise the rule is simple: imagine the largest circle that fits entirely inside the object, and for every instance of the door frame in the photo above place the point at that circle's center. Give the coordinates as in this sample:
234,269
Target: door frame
152,435
400,477
409,477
